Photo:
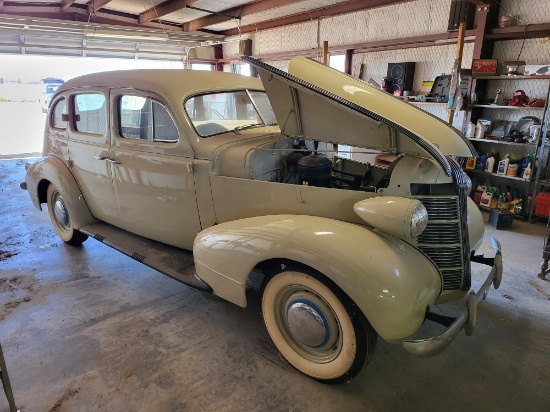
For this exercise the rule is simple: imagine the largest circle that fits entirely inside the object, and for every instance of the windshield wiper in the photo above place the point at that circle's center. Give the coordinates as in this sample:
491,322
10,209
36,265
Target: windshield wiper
237,129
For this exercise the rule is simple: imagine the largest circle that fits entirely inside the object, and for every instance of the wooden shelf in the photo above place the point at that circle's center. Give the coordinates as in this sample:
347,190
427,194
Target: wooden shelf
472,139
496,106
429,103
515,77
519,179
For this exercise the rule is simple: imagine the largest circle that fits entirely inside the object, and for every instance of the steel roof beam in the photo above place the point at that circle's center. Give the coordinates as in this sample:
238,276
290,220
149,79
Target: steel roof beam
244,10
349,7
164,8
66,4
97,4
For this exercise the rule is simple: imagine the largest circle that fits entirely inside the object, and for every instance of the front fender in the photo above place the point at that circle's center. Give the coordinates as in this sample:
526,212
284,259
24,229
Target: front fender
476,226
54,170
390,281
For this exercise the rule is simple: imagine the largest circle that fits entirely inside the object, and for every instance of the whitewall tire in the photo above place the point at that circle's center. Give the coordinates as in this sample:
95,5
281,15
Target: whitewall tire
61,219
316,328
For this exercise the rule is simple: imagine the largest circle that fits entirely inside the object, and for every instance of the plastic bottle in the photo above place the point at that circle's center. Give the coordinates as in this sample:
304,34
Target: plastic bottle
479,131
489,164
503,166
481,162
470,130
527,172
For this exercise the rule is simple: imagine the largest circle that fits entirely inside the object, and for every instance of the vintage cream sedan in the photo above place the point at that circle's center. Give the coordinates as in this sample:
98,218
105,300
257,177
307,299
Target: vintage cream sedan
208,176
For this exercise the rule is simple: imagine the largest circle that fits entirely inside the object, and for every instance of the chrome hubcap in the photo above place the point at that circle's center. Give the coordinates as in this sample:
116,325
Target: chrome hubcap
311,324
60,212
307,323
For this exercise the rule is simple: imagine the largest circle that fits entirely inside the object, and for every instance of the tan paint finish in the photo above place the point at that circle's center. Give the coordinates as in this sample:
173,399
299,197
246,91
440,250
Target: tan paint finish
426,126
387,278
170,191
55,171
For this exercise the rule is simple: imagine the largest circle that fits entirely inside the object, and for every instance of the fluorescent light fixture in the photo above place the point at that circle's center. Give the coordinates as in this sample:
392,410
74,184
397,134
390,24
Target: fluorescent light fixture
125,34
208,43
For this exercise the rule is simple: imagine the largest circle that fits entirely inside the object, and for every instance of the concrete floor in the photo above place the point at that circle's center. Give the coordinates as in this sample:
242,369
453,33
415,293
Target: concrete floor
91,329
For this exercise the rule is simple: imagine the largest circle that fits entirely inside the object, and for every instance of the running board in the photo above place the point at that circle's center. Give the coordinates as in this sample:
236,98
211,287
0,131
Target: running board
172,261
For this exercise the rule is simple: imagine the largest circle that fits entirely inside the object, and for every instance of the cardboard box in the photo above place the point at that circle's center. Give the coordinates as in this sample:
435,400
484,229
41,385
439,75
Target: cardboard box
484,67
538,70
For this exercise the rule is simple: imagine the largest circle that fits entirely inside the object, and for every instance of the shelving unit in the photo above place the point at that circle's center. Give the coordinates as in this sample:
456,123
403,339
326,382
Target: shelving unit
499,176
472,139
485,85
491,106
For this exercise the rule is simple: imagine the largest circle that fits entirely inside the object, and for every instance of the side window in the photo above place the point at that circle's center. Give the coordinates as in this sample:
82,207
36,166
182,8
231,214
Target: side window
90,113
143,118
57,114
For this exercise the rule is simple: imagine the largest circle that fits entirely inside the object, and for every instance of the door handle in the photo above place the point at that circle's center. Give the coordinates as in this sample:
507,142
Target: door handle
113,161
100,157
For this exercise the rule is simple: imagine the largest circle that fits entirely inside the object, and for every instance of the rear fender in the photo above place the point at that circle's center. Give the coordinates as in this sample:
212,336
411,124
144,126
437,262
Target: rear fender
53,170
389,280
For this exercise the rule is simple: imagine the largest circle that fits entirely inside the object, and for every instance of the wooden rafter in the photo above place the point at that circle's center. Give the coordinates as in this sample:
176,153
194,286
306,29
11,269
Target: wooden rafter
349,7
241,11
98,4
66,4
163,9
481,3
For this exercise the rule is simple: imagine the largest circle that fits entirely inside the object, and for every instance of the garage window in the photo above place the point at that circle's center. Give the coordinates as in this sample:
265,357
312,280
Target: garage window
90,113
57,114
143,118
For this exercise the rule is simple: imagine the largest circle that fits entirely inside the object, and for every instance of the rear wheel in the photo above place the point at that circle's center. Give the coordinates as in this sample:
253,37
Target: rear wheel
317,328
61,220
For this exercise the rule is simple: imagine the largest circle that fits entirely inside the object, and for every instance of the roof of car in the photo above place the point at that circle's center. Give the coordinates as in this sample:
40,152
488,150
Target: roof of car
165,81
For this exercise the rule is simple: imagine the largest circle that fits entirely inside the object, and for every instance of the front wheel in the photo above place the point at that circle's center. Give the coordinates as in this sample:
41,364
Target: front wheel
317,329
61,220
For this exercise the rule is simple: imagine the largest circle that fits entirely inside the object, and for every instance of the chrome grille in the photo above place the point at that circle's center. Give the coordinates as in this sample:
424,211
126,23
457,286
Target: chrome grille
442,208
445,240
436,234
444,230
460,179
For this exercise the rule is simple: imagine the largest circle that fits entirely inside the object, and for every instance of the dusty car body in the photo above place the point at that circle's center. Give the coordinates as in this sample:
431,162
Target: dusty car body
202,177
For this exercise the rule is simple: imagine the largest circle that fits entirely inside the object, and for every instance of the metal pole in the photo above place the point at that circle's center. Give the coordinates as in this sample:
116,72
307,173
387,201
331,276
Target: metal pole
6,382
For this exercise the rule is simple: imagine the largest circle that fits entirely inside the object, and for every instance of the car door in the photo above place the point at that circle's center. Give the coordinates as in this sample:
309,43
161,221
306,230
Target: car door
88,146
55,142
152,170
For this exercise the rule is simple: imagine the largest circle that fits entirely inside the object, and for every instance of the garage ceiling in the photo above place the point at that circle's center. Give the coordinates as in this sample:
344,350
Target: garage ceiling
217,16
151,29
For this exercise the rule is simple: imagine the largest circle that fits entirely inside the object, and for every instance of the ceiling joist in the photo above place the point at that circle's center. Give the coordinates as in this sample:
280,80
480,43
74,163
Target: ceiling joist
342,8
244,10
164,8
66,4
98,4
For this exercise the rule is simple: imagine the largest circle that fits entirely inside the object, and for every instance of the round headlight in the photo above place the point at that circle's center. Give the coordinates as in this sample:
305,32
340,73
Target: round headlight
419,220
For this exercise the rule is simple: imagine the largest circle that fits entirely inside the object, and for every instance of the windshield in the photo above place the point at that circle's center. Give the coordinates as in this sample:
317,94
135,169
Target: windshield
217,113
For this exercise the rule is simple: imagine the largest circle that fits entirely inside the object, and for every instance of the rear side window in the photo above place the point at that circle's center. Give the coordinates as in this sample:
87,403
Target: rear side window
90,113
57,114
143,118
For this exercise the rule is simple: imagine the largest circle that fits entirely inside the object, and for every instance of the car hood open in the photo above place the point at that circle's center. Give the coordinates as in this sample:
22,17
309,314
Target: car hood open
317,102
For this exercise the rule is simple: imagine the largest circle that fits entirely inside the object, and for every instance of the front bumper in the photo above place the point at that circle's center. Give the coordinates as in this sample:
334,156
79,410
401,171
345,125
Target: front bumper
426,348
